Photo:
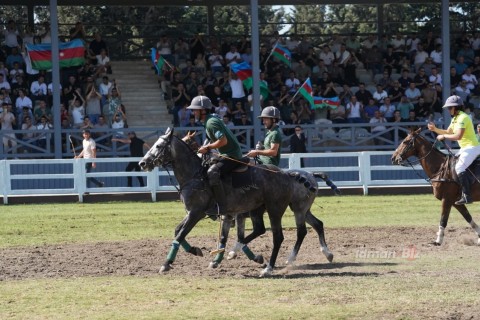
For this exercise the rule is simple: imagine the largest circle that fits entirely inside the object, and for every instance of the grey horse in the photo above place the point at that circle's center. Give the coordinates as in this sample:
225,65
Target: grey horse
267,188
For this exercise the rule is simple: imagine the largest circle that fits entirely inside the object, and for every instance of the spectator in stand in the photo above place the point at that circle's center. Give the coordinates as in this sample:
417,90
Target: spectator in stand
455,78
390,62
96,45
216,62
119,122
180,98
71,88
435,77
13,57
379,95
27,124
232,56
23,101
460,66
181,50
238,93
318,70
4,84
14,72
93,107
20,84
405,107
42,111
338,115
311,58
77,111
200,65
374,60
421,79
227,122
379,128
104,90
387,109
103,64
462,91
114,101
218,95
467,53
222,108
470,78
354,111
395,93
369,109
7,122
385,81
45,35
292,83
43,138
476,66
191,83
436,55
428,66
165,48
405,80
368,44
87,124
398,44
346,95
430,95
197,45
303,71
247,55
184,115
420,57
411,46
78,32
413,93
236,112
26,112
11,35
327,56
362,94
423,110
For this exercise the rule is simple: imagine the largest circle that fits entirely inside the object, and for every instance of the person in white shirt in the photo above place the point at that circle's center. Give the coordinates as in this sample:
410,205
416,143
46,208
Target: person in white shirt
238,92
38,89
436,55
380,94
379,120
354,110
4,84
104,89
23,101
470,78
77,110
292,83
232,56
7,121
103,63
89,152
435,77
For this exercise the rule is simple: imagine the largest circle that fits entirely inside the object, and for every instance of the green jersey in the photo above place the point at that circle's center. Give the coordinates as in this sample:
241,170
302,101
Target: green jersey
463,121
273,136
215,130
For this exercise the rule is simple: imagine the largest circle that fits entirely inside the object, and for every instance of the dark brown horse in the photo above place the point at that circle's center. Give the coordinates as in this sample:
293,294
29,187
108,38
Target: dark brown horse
436,165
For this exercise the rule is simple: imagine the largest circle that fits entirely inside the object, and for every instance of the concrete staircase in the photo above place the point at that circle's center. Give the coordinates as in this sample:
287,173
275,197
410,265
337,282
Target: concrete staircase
141,94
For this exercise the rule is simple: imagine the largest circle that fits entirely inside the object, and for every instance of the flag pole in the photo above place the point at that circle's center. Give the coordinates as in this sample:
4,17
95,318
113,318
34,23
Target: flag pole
271,52
168,64
298,91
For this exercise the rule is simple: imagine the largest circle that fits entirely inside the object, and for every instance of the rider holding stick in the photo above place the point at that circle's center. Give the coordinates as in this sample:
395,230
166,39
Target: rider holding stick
461,130
220,137
269,153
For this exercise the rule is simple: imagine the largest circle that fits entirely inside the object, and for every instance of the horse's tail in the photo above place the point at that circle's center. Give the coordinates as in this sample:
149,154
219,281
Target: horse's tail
324,177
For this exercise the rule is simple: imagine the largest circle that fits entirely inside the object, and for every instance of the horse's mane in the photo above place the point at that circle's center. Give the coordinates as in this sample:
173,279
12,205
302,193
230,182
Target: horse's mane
186,146
432,146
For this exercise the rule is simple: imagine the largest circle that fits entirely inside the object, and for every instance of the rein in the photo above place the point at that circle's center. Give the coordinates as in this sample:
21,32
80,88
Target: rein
418,161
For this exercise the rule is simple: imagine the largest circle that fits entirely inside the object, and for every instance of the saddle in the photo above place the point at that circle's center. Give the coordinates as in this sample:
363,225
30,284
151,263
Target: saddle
447,170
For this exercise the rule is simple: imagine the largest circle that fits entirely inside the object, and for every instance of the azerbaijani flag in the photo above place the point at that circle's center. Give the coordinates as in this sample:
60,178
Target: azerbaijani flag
244,72
321,102
282,54
306,91
158,61
71,54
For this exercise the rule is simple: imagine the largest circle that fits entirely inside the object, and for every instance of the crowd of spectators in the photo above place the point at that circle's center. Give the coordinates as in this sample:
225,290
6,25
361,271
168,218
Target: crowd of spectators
388,74
89,98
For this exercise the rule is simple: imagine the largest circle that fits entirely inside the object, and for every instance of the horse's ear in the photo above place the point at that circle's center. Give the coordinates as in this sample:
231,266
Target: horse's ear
169,132
418,131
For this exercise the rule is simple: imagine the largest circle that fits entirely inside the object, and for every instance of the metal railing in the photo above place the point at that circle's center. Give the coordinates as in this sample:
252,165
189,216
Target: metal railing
68,177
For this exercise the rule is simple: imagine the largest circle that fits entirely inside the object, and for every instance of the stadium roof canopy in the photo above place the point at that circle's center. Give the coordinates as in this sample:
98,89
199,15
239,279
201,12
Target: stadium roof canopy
205,2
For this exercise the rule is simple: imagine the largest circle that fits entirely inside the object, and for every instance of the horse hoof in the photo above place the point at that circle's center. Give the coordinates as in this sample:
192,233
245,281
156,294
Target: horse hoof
196,251
266,272
478,242
165,268
258,259
213,265
329,257
437,244
231,255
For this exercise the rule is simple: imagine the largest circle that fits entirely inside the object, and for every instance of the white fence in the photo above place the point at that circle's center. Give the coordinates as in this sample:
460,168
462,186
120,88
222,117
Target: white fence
363,169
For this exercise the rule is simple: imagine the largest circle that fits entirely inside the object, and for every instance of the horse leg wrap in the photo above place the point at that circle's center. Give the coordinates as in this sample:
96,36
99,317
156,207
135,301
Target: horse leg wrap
250,255
219,256
186,246
440,235
173,251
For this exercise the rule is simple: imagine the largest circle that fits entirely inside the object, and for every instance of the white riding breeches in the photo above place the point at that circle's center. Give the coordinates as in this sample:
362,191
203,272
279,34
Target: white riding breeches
465,158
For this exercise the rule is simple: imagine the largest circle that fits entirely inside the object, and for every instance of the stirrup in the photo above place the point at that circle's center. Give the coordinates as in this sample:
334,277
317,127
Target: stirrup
464,200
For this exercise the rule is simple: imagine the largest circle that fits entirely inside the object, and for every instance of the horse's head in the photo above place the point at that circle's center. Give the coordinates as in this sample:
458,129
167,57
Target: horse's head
406,149
159,154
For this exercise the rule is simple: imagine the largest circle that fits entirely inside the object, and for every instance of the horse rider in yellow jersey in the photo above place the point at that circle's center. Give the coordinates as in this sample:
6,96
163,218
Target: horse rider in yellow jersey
461,130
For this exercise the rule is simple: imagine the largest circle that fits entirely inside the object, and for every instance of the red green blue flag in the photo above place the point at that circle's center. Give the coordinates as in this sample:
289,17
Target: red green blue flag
282,54
306,91
71,54
321,102
158,61
244,72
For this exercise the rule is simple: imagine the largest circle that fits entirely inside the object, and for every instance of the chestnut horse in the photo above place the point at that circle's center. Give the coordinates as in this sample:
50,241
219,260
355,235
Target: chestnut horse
438,168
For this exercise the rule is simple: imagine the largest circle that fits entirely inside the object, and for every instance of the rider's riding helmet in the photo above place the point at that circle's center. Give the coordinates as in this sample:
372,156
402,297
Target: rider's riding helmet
453,101
270,112
200,103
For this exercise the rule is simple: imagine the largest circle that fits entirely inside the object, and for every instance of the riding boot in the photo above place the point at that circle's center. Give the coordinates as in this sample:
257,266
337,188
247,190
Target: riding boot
219,194
466,195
